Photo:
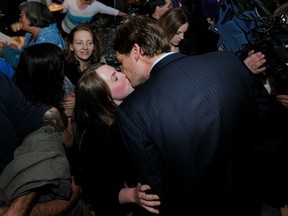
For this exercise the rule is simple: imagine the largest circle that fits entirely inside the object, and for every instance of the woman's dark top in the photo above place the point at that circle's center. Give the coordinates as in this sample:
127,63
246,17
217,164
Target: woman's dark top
103,168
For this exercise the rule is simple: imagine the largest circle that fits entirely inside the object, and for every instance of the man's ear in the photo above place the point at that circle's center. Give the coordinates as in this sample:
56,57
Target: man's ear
157,9
136,51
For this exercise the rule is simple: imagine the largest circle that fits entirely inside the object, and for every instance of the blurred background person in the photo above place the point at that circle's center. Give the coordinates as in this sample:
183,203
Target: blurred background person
203,39
155,8
39,24
271,73
272,92
83,49
175,24
45,2
19,120
40,76
7,69
78,11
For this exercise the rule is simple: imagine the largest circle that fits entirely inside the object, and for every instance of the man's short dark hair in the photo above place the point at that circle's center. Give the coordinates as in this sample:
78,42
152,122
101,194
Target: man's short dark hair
152,4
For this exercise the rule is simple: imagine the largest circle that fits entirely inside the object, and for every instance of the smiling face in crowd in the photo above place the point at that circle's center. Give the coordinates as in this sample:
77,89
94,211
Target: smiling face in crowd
82,45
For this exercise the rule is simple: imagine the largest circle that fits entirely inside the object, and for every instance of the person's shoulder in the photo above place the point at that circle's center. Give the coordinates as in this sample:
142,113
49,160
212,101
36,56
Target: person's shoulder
97,3
51,28
4,82
53,118
98,132
97,128
6,68
220,55
68,2
46,32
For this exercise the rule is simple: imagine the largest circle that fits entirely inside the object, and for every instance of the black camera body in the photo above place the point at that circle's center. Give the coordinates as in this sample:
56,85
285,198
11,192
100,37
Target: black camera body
273,42
245,25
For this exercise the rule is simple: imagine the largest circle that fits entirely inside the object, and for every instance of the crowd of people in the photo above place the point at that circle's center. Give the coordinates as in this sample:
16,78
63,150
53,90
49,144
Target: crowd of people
169,132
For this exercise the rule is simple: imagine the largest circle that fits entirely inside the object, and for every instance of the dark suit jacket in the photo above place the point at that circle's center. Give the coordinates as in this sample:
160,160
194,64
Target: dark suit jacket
190,129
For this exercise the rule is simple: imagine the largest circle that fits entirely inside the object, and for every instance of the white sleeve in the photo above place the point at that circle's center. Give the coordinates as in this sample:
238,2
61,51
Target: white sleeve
104,9
65,4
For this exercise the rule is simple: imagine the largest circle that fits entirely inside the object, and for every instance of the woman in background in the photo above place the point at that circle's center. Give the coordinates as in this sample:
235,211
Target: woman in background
175,23
80,11
83,49
40,77
40,27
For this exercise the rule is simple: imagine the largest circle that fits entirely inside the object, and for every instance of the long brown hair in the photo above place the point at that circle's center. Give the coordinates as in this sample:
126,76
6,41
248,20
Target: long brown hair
93,99
172,20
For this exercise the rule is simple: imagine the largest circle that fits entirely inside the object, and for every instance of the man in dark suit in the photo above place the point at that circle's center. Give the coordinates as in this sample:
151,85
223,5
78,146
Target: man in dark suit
190,126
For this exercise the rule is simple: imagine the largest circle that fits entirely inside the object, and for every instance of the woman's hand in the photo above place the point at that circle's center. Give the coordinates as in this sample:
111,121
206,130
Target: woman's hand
138,195
283,99
69,104
147,201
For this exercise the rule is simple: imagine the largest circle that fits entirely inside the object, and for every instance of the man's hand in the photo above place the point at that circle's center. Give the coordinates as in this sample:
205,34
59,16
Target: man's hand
255,62
283,99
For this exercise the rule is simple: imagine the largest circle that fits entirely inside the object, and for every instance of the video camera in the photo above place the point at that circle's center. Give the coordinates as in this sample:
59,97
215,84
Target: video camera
245,25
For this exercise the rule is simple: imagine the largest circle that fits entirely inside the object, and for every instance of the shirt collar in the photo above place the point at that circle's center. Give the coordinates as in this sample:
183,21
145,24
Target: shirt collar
160,58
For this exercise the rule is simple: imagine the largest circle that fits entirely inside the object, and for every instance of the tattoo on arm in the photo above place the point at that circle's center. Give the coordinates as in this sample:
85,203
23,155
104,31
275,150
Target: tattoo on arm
54,119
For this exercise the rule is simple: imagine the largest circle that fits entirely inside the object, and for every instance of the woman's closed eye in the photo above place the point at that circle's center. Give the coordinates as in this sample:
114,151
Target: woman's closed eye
179,32
114,77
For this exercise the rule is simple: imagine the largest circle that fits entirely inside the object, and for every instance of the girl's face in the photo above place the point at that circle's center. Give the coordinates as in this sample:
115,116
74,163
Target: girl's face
82,45
179,35
118,83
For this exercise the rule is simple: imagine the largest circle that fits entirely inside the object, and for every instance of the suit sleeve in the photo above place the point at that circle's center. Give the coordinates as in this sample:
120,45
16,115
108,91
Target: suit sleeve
143,152
20,111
